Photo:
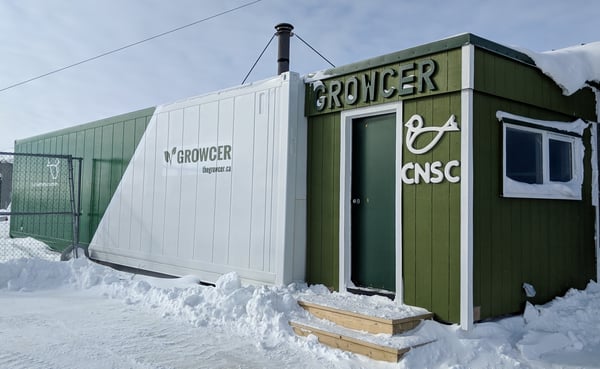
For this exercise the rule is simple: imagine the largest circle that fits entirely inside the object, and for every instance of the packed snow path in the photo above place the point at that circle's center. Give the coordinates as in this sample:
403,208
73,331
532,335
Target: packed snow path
65,329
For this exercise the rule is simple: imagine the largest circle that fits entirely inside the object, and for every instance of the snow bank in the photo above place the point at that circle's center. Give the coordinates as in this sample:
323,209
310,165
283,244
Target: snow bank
560,334
569,324
260,312
563,333
27,247
570,67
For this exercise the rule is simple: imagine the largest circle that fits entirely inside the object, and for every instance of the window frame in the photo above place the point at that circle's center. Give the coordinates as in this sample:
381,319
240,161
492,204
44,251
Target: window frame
548,189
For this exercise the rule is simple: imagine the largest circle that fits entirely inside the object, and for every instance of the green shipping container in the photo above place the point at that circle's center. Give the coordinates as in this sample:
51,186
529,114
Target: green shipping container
106,147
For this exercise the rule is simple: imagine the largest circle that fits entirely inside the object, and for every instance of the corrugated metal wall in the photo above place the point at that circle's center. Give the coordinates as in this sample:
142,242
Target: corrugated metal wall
431,218
6,170
323,197
106,147
180,210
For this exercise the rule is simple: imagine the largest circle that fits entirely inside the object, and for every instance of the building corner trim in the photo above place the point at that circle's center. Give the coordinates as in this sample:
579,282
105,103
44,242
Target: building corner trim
596,180
466,189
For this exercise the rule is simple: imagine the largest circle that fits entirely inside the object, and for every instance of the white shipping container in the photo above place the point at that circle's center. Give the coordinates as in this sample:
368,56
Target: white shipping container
216,184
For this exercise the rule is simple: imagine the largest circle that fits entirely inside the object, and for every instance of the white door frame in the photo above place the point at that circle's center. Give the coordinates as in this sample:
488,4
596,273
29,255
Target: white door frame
345,235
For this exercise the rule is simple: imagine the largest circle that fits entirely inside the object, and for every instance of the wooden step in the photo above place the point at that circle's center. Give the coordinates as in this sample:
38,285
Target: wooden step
367,321
345,339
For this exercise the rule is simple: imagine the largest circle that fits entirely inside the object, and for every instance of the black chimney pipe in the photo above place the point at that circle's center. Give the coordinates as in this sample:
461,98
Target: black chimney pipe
284,32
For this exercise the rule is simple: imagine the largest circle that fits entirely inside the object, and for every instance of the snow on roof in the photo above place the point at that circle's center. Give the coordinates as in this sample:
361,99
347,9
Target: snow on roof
576,126
572,67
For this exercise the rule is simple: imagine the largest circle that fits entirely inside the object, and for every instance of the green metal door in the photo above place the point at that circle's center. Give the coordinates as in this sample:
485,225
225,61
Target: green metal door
373,202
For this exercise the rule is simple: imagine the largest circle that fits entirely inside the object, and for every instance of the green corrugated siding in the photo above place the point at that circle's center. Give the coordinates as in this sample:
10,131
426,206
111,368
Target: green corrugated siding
36,190
323,184
431,212
505,78
431,218
106,147
548,243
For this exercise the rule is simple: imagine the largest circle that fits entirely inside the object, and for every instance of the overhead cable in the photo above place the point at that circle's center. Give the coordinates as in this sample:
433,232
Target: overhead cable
260,56
269,43
313,49
130,45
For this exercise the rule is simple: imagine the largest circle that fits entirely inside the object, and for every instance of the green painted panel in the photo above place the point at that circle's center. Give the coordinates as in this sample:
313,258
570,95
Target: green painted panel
431,217
129,140
106,147
423,210
548,243
96,180
323,201
116,158
140,126
328,181
409,226
87,186
505,78
314,203
440,219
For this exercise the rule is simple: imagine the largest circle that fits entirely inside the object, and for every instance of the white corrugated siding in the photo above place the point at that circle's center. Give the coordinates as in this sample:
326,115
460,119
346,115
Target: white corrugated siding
173,218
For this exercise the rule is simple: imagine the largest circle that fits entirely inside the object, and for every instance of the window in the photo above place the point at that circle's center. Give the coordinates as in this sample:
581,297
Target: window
540,163
524,156
561,160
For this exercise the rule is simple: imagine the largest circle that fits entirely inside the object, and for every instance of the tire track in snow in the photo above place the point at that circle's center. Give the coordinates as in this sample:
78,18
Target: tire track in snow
72,330
18,360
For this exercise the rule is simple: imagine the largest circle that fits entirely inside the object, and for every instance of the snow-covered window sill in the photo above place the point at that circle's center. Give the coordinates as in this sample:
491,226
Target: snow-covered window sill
533,167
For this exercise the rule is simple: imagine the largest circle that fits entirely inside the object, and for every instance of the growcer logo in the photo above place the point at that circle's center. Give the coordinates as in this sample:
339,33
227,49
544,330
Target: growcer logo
211,155
169,155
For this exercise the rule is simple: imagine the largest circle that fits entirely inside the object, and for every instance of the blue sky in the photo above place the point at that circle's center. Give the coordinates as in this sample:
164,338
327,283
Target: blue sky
38,36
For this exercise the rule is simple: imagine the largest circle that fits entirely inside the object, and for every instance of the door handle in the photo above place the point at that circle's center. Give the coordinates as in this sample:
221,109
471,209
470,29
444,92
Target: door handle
356,201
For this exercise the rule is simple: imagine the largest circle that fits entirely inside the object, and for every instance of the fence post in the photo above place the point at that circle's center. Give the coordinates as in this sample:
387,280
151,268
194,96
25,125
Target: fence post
75,217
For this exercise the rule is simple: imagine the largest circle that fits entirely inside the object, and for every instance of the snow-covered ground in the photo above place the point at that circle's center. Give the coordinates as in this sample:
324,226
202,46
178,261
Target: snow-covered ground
79,314
21,248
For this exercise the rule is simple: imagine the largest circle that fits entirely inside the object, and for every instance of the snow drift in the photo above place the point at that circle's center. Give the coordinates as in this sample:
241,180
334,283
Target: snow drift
562,333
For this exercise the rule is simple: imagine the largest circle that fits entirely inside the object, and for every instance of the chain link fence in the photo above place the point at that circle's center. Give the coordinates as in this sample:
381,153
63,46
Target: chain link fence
39,205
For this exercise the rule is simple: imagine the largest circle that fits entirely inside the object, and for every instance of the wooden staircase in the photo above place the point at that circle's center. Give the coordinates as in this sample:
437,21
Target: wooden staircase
356,324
